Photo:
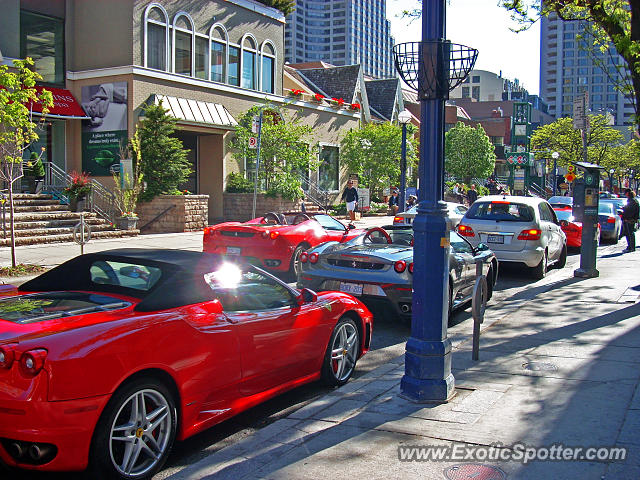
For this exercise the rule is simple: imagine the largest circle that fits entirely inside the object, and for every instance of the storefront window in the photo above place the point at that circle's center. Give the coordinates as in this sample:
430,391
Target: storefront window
234,66
217,61
156,40
328,172
202,47
42,39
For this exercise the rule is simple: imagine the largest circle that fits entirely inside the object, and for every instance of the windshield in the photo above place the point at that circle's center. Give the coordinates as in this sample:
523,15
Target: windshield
38,307
329,223
605,209
503,211
565,215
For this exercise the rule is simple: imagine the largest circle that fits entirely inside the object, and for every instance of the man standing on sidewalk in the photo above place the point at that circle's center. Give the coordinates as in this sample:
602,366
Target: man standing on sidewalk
472,194
630,218
350,196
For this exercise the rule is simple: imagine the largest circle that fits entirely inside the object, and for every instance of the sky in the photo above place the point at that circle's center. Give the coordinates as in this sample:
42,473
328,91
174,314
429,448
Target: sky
483,25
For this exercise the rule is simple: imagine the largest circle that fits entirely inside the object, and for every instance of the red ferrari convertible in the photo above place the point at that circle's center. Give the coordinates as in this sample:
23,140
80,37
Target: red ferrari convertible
276,240
571,227
108,358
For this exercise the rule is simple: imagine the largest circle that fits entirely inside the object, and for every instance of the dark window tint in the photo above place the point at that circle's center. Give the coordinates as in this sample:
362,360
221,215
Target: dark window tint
42,39
501,211
127,275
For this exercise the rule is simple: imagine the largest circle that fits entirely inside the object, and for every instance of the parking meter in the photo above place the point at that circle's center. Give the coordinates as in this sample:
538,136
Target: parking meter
586,197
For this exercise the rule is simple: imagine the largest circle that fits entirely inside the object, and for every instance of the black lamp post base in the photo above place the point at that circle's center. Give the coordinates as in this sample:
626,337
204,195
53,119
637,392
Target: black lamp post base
427,372
419,390
586,273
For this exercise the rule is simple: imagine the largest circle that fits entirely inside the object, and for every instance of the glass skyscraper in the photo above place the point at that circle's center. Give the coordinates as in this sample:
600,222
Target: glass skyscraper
341,33
567,70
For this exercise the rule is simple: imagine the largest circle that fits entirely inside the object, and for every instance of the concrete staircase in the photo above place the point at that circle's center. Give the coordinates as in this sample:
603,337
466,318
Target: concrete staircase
40,219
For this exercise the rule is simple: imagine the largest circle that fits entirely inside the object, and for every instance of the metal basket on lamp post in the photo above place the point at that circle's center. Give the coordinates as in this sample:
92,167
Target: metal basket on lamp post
435,67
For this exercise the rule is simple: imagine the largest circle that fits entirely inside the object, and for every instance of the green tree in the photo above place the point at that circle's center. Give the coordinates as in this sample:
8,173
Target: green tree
561,137
17,128
285,6
286,151
374,151
615,22
468,152
163,160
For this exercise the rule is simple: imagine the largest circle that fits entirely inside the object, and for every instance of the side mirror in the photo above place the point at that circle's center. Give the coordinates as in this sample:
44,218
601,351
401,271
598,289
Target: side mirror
482,247
213,307
307,296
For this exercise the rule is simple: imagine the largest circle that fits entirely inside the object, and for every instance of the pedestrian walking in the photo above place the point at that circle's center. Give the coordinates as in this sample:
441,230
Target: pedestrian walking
350,196
630,218
472,194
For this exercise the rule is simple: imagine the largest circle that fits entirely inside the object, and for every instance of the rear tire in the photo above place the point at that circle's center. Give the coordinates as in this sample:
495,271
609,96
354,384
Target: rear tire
540,270
125,430
562,260
295,268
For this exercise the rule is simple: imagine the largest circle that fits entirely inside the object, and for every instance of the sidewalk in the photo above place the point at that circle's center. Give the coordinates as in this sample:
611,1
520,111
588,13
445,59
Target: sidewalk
580,342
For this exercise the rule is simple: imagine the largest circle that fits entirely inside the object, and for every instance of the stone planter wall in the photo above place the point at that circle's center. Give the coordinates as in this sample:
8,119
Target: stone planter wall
238,206
189,214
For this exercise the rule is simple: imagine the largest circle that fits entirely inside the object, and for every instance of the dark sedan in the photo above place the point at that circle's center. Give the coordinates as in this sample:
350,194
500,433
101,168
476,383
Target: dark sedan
377,267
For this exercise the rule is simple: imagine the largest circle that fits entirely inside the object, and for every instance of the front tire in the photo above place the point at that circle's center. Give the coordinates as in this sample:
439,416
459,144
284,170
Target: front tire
135,433
342,353
295,267
562,260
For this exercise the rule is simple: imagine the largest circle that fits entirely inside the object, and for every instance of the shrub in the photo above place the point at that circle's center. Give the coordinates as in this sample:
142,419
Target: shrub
236,183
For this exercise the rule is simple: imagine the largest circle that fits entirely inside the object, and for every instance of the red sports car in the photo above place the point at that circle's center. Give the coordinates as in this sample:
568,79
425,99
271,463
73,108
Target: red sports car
276,240
108,358
571,227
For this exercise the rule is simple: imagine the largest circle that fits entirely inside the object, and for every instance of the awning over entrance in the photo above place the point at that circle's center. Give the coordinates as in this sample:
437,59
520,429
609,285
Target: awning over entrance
64,105
195,111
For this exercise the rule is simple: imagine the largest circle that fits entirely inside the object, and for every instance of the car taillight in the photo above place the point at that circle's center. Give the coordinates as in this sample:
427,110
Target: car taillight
466,231
313,257
530,234
7,354
400,266
33,361
611,220
411,268
397,220
303,257
271,235
207,231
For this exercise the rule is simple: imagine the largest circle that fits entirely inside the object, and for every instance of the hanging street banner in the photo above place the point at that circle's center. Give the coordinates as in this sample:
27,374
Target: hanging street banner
106,131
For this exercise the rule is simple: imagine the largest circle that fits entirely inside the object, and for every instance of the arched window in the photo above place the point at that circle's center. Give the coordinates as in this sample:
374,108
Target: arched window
219,44
249,60
183,44
156,37
267,66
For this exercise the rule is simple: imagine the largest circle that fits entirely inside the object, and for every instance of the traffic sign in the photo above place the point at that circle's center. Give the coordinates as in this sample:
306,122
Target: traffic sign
255,124
571,169
570,177
253,142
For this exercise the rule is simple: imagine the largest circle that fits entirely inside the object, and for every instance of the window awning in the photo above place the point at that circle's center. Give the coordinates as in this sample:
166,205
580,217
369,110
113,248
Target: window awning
64,105
196,111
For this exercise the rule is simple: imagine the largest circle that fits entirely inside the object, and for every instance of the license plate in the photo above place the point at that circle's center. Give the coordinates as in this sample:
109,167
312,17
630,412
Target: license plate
495,239
233,250
352,288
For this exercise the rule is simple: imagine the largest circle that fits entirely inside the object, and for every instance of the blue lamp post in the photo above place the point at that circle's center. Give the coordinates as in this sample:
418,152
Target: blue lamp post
555,156
432,67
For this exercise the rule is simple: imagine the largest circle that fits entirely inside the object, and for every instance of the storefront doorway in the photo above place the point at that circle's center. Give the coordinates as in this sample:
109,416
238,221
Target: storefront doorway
190,142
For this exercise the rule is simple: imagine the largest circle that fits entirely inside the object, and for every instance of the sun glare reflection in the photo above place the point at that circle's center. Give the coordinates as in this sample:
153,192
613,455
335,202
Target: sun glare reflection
227,276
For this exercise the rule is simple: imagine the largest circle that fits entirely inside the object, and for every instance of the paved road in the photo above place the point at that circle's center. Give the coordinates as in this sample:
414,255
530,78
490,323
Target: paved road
389,341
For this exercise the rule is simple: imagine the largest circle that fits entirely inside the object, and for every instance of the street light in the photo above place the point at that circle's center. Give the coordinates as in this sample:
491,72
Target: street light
555,156
611,172
404,117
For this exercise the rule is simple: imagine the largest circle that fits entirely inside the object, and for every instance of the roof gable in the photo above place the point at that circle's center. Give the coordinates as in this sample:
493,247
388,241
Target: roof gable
383,95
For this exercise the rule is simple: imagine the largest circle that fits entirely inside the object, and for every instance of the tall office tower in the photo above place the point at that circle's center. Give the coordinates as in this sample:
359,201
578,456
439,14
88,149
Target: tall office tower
341,32
567,69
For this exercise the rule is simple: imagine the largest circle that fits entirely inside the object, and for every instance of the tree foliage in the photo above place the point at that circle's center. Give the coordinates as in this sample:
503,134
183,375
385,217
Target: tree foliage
17,128
163,160
287,150
374,152
285,6
560,136
468,152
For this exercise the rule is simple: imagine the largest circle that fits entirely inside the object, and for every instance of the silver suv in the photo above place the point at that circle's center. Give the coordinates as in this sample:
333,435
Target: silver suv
517,229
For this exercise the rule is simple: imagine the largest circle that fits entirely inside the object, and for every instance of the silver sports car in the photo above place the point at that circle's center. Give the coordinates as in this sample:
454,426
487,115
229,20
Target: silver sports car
377,267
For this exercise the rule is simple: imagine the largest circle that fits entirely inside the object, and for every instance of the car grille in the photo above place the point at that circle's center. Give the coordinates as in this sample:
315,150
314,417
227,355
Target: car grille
235,233
355,264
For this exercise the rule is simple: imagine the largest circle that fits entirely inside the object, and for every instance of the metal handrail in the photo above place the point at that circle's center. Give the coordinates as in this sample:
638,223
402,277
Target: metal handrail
313,193
101,200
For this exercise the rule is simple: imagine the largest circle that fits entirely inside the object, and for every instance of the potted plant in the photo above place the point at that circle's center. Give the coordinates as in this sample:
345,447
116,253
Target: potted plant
355,106
78,189
296,92
318,97
127,187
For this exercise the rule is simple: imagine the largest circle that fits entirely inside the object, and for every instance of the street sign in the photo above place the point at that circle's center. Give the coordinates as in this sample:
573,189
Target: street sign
255,124
570,177
580,109
253,142
571,169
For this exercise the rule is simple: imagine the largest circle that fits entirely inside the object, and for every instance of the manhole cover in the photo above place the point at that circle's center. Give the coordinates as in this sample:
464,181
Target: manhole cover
476,471
540,366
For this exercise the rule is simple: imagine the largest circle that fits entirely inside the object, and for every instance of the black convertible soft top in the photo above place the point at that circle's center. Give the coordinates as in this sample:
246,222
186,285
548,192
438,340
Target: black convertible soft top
181,281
